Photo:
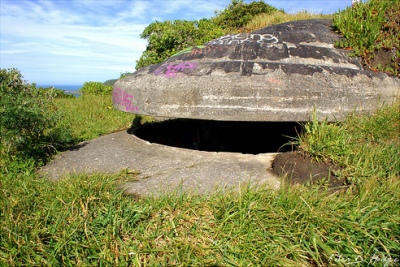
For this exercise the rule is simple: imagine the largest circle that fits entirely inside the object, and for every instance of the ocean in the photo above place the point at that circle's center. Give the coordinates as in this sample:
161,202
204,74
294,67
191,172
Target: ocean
68,89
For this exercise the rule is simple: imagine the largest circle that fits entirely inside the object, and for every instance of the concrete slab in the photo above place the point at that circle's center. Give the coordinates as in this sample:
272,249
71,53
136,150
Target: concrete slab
164,169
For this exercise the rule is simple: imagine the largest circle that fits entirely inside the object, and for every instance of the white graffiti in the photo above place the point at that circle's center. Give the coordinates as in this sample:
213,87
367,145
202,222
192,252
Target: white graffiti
244,37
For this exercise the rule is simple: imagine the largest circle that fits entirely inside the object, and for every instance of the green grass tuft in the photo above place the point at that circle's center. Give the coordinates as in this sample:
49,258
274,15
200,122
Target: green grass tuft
90,116
364,146
370,29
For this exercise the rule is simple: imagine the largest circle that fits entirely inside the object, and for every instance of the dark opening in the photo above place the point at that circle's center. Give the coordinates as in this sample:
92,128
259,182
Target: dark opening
222,136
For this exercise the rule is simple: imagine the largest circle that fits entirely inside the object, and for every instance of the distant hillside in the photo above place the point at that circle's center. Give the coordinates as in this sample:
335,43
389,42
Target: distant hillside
110,82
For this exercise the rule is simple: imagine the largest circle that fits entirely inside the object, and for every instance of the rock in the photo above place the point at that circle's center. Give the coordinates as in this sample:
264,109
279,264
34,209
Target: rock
279,73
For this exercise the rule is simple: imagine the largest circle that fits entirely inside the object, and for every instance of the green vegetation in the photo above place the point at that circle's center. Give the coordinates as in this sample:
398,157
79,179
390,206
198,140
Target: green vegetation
237,14
85,220
264,20
372,31
364,147
52,93
90,116
169,37
96,88
29,122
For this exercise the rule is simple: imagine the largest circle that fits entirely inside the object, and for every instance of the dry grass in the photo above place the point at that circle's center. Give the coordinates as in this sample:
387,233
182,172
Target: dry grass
277,17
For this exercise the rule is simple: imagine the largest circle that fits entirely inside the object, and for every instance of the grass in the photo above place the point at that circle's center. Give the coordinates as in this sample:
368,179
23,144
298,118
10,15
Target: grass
85,220
90,116
363,146
265,20
369,29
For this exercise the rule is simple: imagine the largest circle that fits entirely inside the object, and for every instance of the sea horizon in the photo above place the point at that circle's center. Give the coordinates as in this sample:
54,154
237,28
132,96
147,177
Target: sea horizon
64,87
67,88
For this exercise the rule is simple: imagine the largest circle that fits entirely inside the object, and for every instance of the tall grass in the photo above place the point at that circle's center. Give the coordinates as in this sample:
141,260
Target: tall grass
90,116
364,146
265,20
85,221
369,28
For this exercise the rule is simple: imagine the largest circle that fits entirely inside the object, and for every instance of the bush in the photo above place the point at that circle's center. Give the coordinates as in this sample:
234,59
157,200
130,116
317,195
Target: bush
52,93
169,37
96,88
28,120
237,14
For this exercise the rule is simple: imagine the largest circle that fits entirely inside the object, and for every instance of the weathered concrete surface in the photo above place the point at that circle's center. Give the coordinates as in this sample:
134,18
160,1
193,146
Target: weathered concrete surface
164,169
279,73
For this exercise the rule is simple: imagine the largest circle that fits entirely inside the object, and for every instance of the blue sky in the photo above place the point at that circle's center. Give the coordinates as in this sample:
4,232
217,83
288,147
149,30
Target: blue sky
70,42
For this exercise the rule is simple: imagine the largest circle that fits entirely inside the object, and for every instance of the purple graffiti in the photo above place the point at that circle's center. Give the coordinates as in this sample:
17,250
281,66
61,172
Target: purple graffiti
120,97
171,70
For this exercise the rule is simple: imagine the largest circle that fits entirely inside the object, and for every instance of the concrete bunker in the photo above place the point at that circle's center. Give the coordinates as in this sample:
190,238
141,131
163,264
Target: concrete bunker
239,93
222,136
247,92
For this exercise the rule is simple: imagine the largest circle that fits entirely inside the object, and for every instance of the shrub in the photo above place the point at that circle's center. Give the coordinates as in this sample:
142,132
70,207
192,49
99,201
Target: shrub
96,88
124,74
28,120
52,93
237,14
169,37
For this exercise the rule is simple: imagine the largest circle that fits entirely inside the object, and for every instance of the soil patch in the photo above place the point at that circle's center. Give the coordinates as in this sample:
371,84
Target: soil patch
298,168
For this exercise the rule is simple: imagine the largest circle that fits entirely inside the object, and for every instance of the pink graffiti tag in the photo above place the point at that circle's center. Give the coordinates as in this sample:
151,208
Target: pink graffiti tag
120,97
171,70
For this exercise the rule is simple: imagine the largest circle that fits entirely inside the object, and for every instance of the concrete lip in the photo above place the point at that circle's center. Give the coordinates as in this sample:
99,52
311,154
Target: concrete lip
164,169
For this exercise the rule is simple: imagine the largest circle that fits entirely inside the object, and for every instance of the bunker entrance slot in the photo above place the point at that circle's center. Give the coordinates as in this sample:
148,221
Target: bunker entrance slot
222,136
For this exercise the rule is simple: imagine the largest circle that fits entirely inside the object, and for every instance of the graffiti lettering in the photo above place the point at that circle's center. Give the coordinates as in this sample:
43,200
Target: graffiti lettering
205,50
188,50
244,37
201,51
171,70
120,97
